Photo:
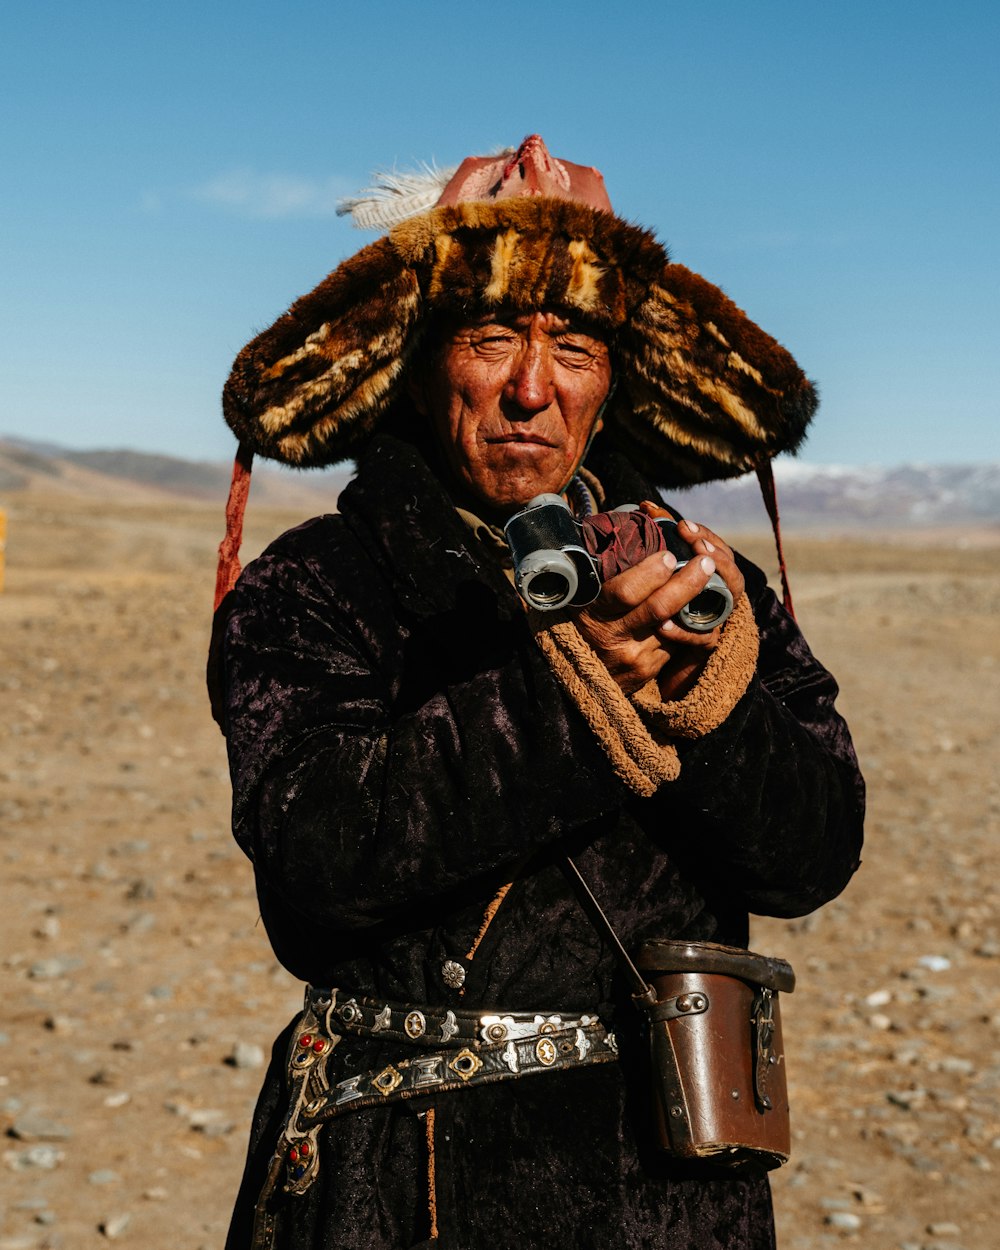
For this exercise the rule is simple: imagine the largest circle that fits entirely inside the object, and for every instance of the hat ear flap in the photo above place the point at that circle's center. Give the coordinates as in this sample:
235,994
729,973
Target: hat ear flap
709,394
309,390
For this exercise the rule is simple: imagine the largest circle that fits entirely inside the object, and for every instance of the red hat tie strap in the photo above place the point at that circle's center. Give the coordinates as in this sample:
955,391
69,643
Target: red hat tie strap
765,475
228,569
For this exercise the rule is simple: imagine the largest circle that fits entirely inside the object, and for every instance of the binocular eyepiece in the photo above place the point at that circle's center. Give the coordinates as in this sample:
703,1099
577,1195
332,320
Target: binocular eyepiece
553,567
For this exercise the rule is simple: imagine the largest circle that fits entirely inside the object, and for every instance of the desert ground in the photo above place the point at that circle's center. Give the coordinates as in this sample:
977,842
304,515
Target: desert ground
140,994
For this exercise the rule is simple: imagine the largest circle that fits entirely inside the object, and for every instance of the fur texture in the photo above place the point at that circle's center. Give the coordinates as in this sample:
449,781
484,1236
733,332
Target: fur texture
702,391
637,735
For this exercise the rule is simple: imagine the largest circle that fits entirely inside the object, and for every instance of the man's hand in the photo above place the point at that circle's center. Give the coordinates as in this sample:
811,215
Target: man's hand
630,624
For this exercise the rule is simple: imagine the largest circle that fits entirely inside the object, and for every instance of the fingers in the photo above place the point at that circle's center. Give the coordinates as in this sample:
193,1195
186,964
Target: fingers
702,538
632,624
706,542
643,599
659,612
632,587
633,657
630,627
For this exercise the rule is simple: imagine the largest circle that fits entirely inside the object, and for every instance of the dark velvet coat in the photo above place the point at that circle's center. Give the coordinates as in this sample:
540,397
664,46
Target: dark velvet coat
399,749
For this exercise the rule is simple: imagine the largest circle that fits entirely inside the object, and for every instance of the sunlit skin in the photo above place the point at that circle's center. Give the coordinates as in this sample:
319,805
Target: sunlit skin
513,402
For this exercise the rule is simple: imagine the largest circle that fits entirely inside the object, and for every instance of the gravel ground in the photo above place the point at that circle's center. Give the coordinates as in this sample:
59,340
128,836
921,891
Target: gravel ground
141,995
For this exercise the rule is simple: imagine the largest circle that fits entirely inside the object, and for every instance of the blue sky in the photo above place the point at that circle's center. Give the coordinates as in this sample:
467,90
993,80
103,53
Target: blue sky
168,175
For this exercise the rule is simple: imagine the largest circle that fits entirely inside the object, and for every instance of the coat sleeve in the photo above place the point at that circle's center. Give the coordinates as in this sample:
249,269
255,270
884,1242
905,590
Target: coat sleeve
773,799
355,796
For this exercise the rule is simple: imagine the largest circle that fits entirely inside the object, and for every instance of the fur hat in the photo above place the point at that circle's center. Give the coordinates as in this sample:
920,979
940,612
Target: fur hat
702,392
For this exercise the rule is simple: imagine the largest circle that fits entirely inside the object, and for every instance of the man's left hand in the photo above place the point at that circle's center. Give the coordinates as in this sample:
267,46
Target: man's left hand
631,626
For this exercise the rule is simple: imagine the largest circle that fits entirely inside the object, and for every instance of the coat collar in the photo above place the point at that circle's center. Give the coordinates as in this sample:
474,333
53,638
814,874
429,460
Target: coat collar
400,510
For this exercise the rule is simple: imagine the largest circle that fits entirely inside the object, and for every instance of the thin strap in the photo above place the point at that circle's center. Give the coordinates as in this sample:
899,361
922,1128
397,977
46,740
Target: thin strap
432,1208
491,910
228,568
765,475
580,497
488,915
642,993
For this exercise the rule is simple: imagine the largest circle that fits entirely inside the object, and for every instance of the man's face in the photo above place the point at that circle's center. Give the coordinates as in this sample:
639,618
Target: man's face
513,401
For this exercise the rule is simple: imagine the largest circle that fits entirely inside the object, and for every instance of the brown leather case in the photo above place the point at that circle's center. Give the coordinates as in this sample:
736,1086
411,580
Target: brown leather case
717,1054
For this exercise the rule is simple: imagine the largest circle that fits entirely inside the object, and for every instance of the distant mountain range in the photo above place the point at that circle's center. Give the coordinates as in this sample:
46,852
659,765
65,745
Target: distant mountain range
132,475
815,497
839,497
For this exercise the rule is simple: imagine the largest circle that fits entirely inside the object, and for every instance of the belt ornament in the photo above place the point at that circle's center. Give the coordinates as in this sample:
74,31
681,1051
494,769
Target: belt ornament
460,1048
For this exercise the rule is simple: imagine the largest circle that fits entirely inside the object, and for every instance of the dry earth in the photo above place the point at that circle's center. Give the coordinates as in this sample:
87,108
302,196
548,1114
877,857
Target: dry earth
140,993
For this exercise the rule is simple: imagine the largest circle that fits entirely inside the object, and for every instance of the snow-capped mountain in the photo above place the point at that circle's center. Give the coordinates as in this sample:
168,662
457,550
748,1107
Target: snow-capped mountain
837,497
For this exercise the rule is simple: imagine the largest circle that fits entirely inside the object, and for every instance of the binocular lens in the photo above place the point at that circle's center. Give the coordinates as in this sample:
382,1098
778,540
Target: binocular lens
709,608
547,589
706,607
547,579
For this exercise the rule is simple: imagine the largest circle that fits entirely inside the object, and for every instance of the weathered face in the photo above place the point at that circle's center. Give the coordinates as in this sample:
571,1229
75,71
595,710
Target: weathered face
513,401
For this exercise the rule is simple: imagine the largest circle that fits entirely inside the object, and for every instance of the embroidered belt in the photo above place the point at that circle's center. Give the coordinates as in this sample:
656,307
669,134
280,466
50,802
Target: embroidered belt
435,1026
473,1048
447,1070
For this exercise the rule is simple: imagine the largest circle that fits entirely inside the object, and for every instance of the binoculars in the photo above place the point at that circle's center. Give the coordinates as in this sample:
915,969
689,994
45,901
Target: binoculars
554,567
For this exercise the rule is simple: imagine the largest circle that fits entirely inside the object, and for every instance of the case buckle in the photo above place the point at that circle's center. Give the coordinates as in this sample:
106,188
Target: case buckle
762,1025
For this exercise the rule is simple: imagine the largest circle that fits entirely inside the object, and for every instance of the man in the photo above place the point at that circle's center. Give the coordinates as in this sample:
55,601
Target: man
413,754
